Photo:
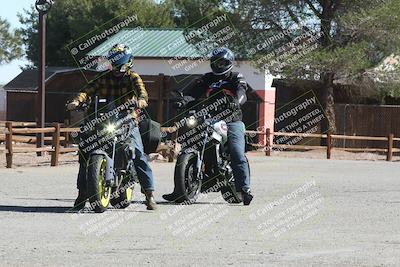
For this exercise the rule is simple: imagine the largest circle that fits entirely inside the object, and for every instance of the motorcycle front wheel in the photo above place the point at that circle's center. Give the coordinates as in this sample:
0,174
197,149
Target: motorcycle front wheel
187,184
99,193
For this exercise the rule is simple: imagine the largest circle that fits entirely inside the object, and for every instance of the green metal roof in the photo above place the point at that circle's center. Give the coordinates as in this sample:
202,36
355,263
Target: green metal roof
163,43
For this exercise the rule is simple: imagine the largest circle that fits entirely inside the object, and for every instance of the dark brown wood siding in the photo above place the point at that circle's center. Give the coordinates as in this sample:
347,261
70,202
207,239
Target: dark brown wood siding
369,121
60,89
20,106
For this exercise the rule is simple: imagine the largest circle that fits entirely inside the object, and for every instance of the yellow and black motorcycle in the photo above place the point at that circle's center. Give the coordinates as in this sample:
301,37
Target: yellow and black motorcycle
105,143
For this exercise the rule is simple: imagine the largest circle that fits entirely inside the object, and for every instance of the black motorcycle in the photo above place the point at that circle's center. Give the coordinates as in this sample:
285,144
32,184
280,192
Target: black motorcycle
203,165
110,170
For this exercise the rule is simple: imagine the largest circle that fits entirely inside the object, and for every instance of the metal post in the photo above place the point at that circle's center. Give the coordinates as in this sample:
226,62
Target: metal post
41,100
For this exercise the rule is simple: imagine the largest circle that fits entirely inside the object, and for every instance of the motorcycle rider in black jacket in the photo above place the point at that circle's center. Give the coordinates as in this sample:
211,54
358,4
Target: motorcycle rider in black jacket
222,80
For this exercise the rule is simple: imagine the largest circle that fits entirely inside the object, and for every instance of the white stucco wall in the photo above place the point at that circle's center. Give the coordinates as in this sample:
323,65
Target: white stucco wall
257,80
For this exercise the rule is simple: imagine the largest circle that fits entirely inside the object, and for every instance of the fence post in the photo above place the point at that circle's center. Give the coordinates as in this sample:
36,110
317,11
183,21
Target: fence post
268,142
328,145
66,134
9,148
56,145
390,148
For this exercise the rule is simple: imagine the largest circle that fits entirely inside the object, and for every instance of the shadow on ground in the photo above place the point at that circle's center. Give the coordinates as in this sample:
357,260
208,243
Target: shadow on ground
35,209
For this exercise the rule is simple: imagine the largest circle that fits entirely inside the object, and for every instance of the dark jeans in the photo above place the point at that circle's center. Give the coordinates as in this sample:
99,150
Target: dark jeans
142,167
236,144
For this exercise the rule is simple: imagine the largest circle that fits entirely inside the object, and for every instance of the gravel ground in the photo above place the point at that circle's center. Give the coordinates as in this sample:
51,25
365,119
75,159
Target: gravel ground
31,160
335,154
306,212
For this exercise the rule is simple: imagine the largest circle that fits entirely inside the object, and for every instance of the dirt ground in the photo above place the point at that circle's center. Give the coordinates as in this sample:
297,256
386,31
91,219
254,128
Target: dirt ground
30,159
306,212
335,154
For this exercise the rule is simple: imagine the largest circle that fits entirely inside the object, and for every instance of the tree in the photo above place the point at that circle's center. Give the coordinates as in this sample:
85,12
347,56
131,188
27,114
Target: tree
324,40
10,43
187,13
201,15
355,36
378,28
69,20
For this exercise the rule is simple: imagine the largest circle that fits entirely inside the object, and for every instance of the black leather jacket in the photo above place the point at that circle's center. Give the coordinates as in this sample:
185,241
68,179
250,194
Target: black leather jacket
232,84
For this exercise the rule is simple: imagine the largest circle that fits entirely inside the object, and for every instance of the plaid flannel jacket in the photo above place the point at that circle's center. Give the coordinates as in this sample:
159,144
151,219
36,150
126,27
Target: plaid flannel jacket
120,89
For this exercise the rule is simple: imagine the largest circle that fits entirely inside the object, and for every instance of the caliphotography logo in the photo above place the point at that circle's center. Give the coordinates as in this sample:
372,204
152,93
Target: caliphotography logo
195,43
84,50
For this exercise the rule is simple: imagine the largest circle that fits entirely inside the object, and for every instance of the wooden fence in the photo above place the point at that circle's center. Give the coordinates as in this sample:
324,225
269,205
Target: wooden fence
366,120
12,135
389,150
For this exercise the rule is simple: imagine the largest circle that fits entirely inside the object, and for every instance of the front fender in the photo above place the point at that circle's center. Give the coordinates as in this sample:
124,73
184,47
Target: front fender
110,174
189,151
198,161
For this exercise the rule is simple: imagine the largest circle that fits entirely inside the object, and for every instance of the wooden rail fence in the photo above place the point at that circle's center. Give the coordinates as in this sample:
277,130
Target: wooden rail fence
389,150
12,134
55,149
59,133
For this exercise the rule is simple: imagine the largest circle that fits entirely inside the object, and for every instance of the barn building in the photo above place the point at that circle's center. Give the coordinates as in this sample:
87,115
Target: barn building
161,68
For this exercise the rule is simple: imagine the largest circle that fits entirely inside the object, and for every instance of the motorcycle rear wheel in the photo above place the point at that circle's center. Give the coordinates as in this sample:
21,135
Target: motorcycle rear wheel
122,196
229,192
230,195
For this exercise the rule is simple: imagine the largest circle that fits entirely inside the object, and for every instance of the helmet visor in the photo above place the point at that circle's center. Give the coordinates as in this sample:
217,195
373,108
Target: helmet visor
220,65
119,59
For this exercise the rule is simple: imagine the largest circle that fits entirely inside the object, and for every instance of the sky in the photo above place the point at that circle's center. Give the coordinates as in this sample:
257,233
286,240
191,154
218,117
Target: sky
8,11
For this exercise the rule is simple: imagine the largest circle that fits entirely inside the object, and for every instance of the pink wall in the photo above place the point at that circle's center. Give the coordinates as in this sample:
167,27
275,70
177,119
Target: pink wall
267,111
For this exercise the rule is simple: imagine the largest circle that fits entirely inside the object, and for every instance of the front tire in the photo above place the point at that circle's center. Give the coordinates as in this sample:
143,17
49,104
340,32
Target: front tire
99,193
186,182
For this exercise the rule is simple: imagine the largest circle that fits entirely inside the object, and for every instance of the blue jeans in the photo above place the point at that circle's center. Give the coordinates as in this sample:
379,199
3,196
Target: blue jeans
236,145
142,167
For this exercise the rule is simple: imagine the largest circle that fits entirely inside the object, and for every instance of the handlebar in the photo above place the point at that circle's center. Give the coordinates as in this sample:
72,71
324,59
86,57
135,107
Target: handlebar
81,107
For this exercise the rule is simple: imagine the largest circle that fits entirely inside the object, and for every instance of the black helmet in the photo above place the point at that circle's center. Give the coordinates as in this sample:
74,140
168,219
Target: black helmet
221,60
120,57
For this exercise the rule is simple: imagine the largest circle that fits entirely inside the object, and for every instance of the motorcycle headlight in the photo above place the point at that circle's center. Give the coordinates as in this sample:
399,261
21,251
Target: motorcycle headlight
191,122
110,128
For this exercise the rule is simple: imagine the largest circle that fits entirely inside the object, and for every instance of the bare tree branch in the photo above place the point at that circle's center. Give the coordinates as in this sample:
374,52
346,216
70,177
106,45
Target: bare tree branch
295,18
314,9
